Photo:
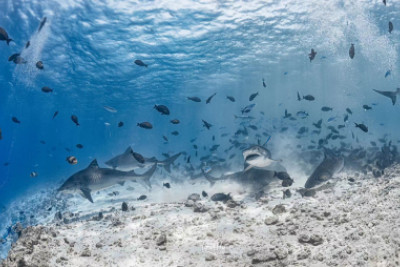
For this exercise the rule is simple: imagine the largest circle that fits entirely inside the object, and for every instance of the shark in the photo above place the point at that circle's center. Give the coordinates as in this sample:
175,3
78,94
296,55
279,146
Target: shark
94,178
257,156
330,165
390,94
126,161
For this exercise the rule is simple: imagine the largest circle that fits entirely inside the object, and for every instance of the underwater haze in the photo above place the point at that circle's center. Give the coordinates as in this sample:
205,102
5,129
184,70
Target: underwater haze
109,62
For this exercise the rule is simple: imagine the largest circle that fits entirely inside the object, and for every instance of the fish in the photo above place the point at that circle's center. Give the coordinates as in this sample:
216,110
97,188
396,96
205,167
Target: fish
80,146
55,114
210,98
330,165
366,107
110,109
145,125
74,118
175,121
120,124
126,161
362,127
47,89
194,98
331,119
257,156
140,63
72,160
302,130
207,125
388,72
204,193
325,109
1,134
252,96
167,185
27,44
162,109
244,117
17,59
390,94
349,111
165,138
384,2
231,98
142,197
94,178
263,83
221,197
248,108
4,36
309,98
253,127
390,27
175,133
352,51
39,65
298,96
188,160
302,114
346,118
42,23
15,120
287,115
33,174
312,55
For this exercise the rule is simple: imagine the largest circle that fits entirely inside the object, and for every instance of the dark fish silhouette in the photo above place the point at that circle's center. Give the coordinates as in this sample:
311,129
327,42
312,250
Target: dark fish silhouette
194,98
140,63
27,44
165,138
309,97
74,118
325,109
352,51
362,127
1,135
39,65
366,107
145,125
42,23
389,94
46,89
4,36
390,27
17,59
14,119
384,2
287,115
346,118
318,124
175,133
231,98
211,97
167,185
204,194
120,124
298,96
312,55
349,111
252,96
142,197
264,85
80,146
162,109
207,125
55,114
175,121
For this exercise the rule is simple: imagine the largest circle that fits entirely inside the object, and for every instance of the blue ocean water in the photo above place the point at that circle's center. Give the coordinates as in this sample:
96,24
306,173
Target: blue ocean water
192,48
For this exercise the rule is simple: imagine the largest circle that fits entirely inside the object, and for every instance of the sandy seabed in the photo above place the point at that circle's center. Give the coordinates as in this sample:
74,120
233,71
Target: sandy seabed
351,224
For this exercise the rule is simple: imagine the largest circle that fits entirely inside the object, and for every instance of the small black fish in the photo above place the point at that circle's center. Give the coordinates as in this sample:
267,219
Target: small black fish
287,115
207,125
55,114
194,98
167,185
42,24
231,98
175,121
162,109
165,138
145,125
27,44
253,127
318,124
140,63
39,65
366,107
175,133
17,59
390,27
195,146
221,197
362,127
209,99
298,96
138,157
120,124
74,118
325,109
47,89
142,197
384,2
264,85
341,126
349,111
188,160
1,135
14,119
204,194
252,96
4,36
312,55
309,97
352,51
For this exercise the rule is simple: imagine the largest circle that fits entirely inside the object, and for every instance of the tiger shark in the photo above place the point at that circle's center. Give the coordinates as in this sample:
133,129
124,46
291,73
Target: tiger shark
94,178
127,162
257,156
390,94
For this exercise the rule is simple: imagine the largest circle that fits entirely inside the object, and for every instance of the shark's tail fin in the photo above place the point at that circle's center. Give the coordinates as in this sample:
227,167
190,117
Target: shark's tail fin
145,177
167,163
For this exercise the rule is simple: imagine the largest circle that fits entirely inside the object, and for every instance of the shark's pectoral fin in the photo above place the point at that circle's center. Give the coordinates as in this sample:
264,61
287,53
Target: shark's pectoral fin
248,168
86,194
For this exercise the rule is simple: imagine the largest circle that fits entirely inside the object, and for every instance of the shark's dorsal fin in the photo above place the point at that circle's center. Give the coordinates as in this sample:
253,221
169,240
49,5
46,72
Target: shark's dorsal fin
128,150
121,183
86,194
93,164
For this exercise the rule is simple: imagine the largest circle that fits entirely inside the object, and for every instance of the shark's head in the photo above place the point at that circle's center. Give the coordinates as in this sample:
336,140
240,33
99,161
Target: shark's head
73,183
